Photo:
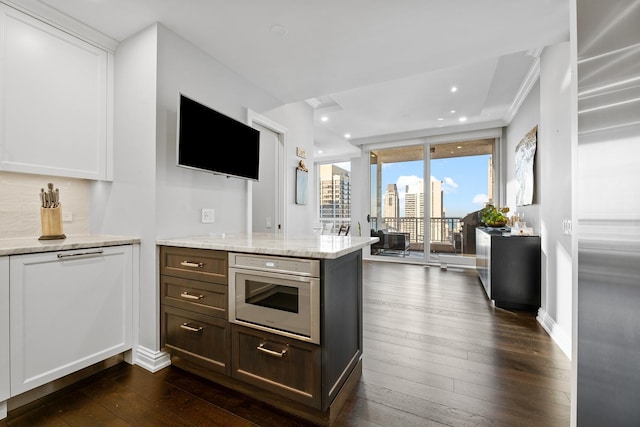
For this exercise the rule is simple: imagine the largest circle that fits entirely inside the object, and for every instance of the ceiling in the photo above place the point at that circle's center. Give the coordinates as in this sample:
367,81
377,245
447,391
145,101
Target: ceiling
440,151
377,69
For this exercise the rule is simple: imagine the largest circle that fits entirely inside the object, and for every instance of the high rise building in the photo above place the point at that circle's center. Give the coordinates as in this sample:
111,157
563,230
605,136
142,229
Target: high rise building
391,208
414,209
437,227
335,194
414,200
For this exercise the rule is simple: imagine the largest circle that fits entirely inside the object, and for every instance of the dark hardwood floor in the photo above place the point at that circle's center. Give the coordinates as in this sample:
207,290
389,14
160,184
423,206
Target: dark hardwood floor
436,352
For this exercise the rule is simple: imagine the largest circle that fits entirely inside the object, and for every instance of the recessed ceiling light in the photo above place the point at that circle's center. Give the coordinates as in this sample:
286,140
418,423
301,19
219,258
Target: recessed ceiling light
452,111
319,151
454,89
459,147
347,135
440,119
279,30
462,119
324,118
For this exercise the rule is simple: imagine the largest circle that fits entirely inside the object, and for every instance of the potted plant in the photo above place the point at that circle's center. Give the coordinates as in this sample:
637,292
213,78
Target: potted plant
492,216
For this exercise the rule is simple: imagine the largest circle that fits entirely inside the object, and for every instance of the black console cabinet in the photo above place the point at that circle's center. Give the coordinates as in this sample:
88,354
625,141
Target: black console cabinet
509,268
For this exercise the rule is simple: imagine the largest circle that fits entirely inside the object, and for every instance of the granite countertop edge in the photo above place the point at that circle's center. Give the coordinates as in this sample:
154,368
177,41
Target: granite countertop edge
312,246
31,245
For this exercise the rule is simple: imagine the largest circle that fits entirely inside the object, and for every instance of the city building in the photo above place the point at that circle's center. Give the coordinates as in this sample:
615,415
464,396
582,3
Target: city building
335,194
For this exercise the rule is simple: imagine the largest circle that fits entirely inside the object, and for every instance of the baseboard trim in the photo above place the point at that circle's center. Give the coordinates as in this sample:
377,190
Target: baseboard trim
151,360
555,332
3,410
456,261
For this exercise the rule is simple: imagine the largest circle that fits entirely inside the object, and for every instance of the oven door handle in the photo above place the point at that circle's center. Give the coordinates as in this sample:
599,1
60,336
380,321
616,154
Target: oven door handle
274,353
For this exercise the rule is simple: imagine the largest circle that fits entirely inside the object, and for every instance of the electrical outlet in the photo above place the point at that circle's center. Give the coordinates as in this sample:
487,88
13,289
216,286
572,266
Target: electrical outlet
67,216
207,216
267,222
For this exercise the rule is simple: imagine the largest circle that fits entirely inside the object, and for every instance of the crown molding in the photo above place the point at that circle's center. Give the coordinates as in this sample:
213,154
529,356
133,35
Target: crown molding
63,22
525,88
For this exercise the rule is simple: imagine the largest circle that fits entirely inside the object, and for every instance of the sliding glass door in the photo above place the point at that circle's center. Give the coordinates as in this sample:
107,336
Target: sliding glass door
397,202
461,183
423,219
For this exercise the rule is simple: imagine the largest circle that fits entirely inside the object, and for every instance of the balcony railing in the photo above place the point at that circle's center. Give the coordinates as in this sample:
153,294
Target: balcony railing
442,230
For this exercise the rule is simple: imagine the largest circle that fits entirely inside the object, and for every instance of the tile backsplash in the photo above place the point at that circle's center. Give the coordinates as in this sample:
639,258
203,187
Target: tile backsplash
20,203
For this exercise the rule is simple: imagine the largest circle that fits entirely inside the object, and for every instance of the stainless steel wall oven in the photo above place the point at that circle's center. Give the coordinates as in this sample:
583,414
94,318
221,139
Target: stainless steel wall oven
276,294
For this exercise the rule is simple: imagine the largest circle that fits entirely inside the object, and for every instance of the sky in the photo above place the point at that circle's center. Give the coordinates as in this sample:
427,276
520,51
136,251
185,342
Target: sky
464,181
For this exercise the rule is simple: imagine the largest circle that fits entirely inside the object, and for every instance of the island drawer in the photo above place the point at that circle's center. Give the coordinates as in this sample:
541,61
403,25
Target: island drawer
197,264
285,366
201,339
201,297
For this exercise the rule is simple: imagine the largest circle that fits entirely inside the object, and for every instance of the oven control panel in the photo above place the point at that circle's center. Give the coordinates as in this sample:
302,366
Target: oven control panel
295,266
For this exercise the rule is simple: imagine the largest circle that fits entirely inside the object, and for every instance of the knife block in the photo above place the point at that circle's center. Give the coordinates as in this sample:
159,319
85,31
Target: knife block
51,221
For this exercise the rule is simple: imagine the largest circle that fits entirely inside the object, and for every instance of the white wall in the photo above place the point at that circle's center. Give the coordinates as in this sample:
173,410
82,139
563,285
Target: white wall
182,193
526,118
298,119
548,106
554,164
127,205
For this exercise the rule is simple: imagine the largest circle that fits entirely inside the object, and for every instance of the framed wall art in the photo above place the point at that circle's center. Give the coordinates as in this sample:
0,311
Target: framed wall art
525,157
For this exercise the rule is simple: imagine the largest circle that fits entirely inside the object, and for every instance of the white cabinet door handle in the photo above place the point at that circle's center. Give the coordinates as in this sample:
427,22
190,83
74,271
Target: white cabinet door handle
78,254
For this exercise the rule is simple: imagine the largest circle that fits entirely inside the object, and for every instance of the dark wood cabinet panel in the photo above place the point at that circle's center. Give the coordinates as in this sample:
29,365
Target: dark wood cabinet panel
509,268
201,297
202,339
196,264
309,380
341,319
194,300
282,365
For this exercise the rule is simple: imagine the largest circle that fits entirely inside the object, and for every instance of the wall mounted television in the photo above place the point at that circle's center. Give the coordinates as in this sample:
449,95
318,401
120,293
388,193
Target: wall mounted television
210,141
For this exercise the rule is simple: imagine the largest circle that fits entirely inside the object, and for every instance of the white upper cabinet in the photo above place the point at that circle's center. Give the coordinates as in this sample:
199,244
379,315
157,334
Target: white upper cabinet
55,93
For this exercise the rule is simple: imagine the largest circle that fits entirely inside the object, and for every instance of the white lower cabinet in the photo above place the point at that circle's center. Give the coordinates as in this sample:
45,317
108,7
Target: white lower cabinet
4,335
68,310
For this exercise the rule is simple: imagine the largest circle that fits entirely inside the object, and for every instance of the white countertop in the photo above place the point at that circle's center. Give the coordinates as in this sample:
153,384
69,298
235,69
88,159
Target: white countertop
29,245
305,246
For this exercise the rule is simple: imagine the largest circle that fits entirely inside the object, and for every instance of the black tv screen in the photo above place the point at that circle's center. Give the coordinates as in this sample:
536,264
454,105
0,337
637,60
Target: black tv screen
213,142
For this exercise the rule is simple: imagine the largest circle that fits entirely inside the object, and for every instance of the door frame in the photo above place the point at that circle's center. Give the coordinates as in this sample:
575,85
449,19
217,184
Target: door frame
281,188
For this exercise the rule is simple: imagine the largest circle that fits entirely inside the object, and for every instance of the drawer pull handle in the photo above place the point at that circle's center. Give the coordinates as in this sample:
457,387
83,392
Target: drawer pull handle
187,295
282,353
98,252
192,264
190,328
